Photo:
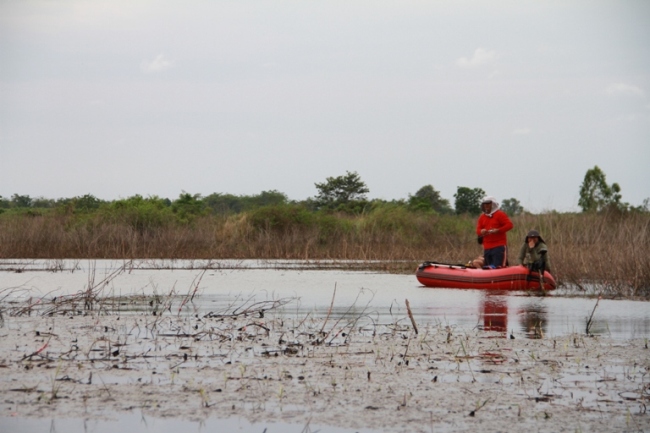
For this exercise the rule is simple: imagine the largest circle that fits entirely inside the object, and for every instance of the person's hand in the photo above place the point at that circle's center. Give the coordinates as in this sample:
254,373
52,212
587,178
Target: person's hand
483,232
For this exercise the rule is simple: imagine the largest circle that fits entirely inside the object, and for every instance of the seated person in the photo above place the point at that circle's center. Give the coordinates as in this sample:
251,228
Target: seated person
534,253
477,263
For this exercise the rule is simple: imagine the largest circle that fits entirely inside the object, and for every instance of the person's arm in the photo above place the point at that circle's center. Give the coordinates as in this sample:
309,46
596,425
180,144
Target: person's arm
543,255
480,225
504,222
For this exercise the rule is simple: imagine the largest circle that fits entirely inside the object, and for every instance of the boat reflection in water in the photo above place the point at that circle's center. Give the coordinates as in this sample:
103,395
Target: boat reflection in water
494,309
533,318
494,312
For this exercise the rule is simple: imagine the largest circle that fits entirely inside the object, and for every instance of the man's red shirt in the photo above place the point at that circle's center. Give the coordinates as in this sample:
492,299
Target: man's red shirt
498,220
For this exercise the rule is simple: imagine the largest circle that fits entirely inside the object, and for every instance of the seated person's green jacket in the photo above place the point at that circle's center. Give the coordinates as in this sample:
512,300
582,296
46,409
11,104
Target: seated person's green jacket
528,256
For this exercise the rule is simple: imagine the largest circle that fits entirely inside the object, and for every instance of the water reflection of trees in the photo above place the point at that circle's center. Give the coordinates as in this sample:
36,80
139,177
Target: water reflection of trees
533,315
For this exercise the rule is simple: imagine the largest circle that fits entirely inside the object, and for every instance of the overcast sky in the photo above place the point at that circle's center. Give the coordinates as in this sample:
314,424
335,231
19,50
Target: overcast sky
519,98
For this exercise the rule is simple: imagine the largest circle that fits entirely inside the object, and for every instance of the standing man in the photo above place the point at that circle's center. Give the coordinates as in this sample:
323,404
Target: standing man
491,229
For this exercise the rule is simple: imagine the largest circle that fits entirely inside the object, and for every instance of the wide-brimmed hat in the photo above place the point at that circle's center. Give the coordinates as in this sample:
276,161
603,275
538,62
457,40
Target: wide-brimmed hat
494,205
534,233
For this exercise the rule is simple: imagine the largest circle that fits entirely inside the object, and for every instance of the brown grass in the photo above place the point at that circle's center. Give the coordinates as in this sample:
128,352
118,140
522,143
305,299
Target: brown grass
609,249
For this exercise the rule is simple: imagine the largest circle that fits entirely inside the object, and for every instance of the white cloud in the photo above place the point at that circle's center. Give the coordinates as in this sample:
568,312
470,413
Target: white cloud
160,63
521,131
480,57
622,89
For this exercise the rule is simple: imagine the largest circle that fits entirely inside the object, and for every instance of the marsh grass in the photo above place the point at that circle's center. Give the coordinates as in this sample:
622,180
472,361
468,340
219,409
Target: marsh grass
604,254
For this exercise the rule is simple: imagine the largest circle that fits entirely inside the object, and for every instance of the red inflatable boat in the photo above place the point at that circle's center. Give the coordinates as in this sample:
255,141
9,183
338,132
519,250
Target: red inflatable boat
433,274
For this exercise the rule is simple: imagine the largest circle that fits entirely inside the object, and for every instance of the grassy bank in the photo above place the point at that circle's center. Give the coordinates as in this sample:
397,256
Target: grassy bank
606,248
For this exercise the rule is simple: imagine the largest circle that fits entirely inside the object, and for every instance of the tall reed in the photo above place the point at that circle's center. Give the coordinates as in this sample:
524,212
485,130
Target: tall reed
607,249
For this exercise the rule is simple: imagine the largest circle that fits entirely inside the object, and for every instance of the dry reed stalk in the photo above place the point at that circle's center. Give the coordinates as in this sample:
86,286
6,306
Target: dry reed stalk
408,310
329,312
194,287
591,316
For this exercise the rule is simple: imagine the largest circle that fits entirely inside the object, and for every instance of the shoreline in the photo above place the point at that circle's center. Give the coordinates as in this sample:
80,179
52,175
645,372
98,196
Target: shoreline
110,269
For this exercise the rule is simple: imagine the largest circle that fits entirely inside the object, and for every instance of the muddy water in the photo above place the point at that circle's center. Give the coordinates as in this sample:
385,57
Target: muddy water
320,288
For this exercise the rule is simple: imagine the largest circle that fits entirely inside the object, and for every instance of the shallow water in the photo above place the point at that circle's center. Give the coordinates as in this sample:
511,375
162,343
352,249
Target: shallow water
314,287
320,289
143,423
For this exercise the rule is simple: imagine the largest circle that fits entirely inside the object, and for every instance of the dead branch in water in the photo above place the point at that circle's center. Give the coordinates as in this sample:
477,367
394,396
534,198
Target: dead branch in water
329,311
408,310
591,316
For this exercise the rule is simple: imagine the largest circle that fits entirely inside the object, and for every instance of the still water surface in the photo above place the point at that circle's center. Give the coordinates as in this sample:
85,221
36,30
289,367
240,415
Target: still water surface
312,289
142,423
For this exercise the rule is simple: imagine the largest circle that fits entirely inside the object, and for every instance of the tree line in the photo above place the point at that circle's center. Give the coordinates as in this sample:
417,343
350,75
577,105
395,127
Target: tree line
604,243
346,193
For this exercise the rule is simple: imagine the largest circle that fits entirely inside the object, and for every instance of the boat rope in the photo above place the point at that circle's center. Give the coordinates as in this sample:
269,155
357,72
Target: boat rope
436,264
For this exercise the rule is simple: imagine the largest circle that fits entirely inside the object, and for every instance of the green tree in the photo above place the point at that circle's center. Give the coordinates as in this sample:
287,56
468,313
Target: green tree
224,203
596,194
268,198
229,203
21,200
143,214
281,218
645,206
512,207
342,192
188,205
468,200
86,203
43,203
427,198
